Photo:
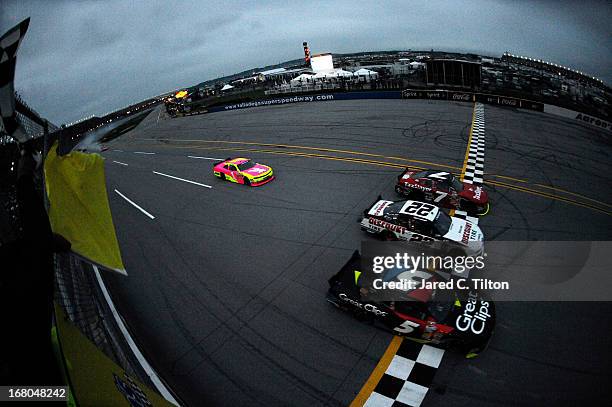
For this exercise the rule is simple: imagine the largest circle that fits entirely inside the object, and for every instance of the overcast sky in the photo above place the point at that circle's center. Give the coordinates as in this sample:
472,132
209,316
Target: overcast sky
92,57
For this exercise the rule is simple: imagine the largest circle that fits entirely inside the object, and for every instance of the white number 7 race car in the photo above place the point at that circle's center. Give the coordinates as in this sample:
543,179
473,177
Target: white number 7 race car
420,221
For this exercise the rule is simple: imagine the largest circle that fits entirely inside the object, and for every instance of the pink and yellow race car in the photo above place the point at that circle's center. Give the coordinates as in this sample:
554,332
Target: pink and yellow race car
243,171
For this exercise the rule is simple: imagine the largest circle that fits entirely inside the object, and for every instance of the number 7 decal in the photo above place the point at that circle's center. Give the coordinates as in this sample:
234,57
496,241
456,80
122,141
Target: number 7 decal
441,196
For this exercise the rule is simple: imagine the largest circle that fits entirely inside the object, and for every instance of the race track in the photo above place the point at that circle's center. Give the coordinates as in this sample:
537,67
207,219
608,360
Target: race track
226,285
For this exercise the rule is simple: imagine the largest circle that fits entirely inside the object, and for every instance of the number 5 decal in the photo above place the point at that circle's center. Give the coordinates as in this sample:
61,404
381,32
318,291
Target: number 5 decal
406,327
441,196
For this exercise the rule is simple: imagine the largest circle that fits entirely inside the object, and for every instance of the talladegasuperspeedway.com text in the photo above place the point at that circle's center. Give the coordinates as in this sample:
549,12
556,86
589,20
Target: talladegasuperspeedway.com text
280,101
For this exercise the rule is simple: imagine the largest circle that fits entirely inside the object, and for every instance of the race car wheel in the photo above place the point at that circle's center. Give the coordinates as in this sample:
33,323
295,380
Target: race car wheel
401,191
386,235
247,182
483,210
221,176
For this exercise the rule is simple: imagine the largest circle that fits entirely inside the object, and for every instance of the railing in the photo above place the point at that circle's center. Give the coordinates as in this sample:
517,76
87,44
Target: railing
77,289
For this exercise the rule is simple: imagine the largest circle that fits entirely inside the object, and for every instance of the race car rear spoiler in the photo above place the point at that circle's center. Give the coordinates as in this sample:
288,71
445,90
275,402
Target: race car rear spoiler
365,211
354,263
215,163
399,177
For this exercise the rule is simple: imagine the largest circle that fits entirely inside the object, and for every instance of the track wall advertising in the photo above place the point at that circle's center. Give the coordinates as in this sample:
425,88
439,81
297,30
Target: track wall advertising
506,101
308,98
437,94
584,118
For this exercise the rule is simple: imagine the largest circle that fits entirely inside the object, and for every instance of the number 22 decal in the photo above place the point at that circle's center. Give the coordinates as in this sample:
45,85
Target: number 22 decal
419,209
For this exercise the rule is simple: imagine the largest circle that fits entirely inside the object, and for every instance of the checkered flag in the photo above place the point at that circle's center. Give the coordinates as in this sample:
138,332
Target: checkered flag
9,44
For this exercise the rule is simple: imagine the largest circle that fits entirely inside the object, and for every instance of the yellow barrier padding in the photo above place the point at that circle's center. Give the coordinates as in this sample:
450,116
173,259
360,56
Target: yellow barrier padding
78,206
94,378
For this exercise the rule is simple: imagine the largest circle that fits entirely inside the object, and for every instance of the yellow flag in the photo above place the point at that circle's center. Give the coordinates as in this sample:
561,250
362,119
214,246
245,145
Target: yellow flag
78,206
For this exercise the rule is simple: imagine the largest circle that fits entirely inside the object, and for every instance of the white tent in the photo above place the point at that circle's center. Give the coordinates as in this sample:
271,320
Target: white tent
323,75
365,72
305,77
343,73
227,86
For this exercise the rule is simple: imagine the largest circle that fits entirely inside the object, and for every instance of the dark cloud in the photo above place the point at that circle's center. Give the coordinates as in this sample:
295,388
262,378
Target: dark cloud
91,57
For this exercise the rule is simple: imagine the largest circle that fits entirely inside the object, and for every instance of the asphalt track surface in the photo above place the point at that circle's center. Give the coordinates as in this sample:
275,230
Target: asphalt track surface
226,285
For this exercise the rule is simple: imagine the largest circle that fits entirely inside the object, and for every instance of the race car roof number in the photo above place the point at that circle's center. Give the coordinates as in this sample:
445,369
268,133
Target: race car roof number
420,210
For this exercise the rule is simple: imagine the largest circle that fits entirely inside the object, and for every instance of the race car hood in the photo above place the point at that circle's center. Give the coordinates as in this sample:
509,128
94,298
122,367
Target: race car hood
473,318
466,233
474,193
256,171
378,209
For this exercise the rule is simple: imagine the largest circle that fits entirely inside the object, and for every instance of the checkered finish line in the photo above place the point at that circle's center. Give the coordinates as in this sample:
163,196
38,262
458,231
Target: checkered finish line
474,168
408,376
413,367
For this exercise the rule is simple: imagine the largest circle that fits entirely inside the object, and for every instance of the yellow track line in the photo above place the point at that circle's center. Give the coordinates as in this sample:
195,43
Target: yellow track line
381,163
506,177
377,373
574,194
395,165
329,150
299,154
545,195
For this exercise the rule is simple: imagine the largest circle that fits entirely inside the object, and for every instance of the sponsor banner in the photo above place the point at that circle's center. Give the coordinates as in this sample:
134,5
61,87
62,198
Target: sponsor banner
511,102
531,105
461,96
581,117
585,118
424,94
488,99
306,99
388,94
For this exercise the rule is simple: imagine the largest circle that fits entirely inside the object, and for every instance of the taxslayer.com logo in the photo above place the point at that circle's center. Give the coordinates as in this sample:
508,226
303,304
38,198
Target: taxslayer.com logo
366,307
473,319
420,187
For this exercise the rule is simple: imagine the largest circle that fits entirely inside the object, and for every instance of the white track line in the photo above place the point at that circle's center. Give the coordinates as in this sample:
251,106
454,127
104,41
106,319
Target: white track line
181,179
205,158
142,152
133,203
163,390
119,151
119,162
